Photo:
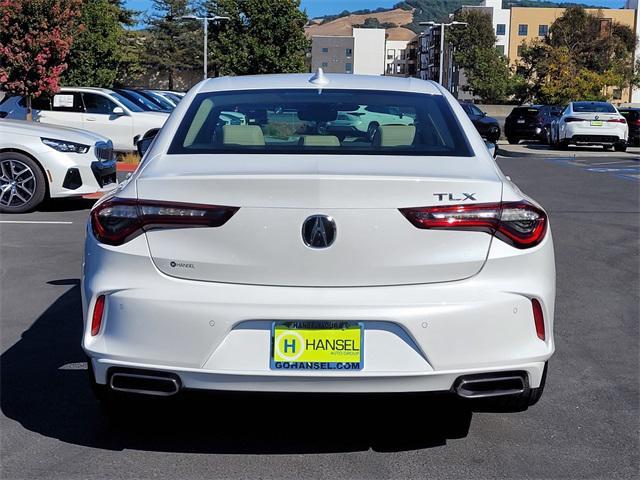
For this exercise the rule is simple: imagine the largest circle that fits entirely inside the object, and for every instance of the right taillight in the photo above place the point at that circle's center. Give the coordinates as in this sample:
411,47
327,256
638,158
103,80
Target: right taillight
520,224
118,220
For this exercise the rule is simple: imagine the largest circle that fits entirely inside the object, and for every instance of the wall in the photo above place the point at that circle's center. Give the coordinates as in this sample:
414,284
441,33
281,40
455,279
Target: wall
369,51
335,60
392,64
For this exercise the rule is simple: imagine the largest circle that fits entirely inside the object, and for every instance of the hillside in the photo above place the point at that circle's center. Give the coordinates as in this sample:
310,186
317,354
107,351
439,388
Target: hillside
407,13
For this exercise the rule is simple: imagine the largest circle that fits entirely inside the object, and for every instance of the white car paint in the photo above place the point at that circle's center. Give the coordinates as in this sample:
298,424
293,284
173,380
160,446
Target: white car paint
122,128
19,136
365,121
198,303
580,127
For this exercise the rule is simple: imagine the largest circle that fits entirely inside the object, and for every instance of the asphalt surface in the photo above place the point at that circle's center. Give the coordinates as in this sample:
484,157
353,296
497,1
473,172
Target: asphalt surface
585,426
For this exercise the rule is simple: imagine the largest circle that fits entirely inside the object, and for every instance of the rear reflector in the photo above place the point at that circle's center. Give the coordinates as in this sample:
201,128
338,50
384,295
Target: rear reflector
96,320
538,318
519,224
119,220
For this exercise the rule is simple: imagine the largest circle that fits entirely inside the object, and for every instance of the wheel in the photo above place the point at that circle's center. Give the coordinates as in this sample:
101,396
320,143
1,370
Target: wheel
513,403
607,148
563,145
512,140
621,147
22,184
371,130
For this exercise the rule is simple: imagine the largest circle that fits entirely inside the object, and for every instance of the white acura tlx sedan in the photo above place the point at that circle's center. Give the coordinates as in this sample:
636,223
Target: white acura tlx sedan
270,256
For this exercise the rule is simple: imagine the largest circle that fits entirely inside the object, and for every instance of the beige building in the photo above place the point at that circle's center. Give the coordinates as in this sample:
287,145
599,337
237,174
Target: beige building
529,23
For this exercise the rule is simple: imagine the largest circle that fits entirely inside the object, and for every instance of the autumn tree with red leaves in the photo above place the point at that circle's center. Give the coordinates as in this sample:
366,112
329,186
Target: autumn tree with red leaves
35,38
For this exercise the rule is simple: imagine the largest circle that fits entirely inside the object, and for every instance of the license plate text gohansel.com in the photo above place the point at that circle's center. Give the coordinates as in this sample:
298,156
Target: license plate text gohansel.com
316,345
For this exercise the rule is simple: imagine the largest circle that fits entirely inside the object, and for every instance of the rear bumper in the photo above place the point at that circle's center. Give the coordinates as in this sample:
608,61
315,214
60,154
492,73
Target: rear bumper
579,134
416,337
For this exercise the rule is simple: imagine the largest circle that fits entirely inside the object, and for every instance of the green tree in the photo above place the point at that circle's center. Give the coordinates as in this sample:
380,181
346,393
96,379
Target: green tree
98,55
582,56
487,71
173,44
262,36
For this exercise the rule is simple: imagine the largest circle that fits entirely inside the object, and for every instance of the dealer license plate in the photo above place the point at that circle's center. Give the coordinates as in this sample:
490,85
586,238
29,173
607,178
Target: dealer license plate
302,345
596,123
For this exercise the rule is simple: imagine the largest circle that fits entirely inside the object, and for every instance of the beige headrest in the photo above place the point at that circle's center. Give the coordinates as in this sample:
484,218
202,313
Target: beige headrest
320,141
394,135
242,135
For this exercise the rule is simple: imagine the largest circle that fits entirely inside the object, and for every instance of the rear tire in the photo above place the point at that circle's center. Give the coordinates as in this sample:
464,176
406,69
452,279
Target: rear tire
607,148
371,130
22,183
621,148
513,141
563,145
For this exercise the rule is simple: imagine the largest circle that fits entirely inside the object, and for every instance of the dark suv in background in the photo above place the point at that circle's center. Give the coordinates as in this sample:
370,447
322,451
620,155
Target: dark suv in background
488,127
530,123
632,115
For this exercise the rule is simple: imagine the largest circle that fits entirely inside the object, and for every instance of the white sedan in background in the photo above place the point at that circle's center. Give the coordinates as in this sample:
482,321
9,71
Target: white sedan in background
272,256
97,110
590,123
39,161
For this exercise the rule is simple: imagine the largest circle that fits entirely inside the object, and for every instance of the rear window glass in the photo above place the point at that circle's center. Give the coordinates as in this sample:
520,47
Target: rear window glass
600,107
525,112
630,114
320,121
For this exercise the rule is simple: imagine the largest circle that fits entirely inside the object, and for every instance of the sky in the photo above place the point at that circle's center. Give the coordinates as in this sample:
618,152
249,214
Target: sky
317,8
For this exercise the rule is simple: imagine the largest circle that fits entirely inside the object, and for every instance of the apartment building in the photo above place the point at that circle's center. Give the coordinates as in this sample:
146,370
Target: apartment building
362,52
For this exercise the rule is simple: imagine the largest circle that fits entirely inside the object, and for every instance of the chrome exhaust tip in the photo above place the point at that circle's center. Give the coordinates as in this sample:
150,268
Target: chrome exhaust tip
491,385
152,383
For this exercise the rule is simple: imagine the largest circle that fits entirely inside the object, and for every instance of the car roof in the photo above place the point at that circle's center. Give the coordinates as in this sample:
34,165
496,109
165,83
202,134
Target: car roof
333,81
86,89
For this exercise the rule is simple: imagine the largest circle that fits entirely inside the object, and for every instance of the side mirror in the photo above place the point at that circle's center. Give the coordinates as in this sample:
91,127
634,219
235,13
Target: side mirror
143,144
492,148
117,111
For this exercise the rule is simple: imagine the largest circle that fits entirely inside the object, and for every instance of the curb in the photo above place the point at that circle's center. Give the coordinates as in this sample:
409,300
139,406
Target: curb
562,154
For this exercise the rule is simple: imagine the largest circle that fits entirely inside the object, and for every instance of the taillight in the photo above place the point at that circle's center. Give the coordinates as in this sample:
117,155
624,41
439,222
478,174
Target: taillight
118,220
538,318
637,122
520,224
96,319
574,119
617,120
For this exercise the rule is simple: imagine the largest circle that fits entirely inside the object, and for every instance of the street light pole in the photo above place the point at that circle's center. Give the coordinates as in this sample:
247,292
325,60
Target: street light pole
205,22
442,25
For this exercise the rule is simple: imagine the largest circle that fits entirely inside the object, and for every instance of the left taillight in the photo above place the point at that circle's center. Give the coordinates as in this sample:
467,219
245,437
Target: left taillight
119,220
96,319
520,224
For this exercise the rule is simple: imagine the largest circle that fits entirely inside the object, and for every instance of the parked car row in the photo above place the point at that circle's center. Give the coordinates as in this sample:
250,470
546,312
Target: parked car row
122,115
578,123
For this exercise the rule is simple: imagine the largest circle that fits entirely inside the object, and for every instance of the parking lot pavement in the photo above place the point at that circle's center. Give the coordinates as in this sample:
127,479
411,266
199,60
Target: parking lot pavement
585,426
536,148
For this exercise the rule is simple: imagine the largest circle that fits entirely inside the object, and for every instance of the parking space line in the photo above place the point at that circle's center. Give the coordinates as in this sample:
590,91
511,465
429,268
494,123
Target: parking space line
38,222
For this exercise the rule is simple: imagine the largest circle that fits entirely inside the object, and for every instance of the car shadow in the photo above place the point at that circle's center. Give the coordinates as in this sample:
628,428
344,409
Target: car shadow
45,388
65,204
535,145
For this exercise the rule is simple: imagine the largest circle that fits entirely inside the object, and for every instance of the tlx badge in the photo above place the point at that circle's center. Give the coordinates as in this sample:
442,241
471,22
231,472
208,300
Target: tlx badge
452,197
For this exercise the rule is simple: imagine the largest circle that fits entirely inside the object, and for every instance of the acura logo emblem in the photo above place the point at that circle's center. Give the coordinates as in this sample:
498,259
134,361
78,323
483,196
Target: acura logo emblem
319,231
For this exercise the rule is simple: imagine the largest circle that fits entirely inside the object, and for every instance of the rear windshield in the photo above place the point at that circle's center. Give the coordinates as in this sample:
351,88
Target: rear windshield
599,107
630,114
525,112
320,121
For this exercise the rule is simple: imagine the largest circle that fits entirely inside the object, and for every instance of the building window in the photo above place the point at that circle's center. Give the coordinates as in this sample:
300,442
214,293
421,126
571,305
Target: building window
501,29
500,49
325,64
543,30
403,54
391,54
325,50
348,52
617,94
523,29
348,68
